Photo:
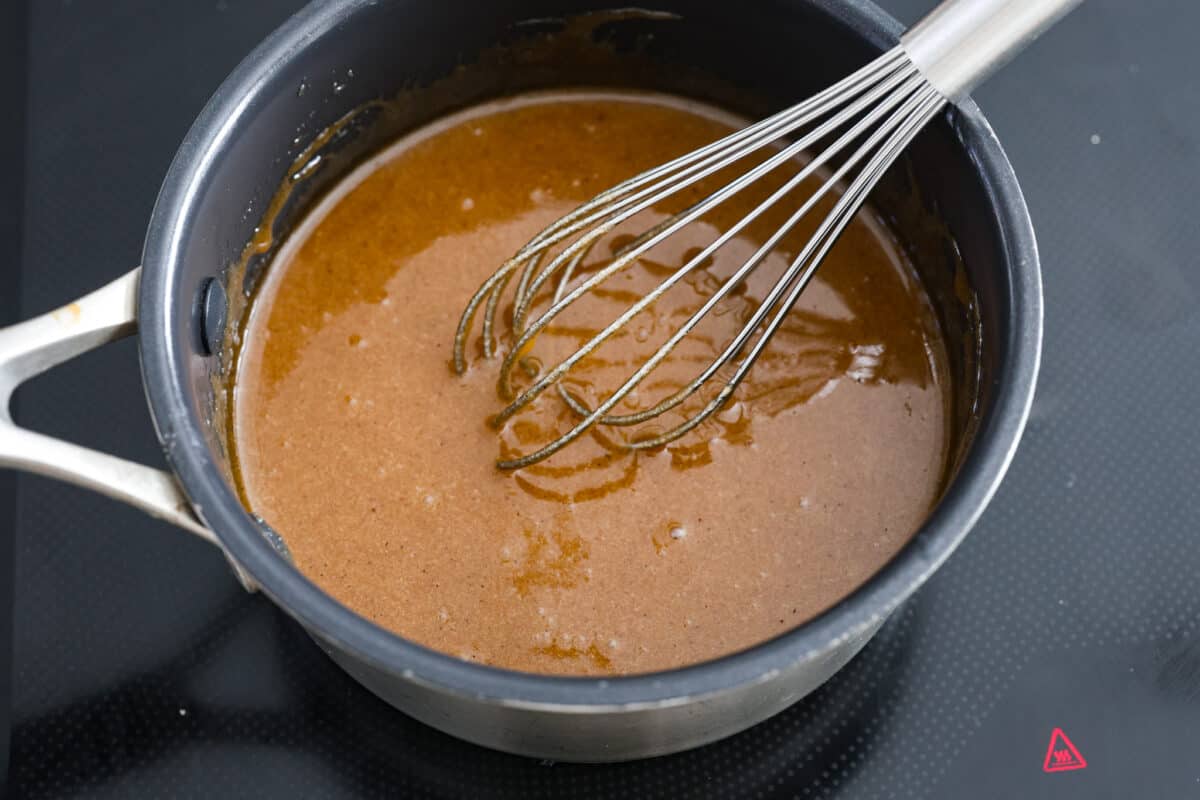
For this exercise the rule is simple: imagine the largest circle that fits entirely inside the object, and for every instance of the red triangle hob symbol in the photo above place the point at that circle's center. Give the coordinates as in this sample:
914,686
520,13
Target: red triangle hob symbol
1061,755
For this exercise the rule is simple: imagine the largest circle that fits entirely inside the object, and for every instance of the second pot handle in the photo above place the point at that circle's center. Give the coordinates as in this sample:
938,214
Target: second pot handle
31,347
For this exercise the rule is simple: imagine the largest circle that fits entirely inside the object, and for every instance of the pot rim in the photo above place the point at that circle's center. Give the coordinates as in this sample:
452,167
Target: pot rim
164,373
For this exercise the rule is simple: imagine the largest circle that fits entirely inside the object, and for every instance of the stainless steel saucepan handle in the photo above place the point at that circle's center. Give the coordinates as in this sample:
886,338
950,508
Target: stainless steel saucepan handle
34,346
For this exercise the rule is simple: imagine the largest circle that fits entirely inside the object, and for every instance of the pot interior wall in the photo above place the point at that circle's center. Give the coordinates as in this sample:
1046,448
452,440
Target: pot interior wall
423,60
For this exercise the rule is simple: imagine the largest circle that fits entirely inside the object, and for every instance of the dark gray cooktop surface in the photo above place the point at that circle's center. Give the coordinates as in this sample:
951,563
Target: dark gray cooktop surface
142,670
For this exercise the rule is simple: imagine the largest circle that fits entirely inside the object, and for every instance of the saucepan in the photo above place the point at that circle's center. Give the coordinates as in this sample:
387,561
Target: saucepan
343,76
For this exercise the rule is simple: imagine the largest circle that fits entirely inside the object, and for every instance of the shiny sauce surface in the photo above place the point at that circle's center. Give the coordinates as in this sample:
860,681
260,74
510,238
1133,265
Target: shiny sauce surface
354,439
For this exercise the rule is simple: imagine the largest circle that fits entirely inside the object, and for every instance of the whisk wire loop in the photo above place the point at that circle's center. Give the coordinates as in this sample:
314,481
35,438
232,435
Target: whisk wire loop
871,115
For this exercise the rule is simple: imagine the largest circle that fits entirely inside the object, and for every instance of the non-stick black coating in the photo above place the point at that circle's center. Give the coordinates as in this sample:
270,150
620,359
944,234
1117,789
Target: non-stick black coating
240,147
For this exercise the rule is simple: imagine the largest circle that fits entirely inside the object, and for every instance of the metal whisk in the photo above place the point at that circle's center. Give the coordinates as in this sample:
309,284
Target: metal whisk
867,119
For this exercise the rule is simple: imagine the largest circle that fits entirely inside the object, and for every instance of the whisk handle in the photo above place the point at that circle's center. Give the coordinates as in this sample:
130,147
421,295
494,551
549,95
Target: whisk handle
961,42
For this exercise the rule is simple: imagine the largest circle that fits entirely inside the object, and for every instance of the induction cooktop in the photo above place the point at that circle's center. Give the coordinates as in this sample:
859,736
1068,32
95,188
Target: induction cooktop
1056,654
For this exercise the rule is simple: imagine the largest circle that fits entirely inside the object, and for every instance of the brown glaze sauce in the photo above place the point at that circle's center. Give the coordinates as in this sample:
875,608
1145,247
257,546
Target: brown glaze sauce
356,442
